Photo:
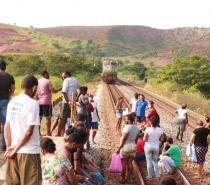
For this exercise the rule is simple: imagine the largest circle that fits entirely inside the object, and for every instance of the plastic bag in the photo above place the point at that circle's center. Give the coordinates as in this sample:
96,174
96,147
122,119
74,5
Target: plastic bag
115,165
175,120
190,152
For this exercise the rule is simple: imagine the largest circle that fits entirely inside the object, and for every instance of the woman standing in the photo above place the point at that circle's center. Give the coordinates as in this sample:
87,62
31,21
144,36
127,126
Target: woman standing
119,114
199,138
56,169
127,148
152,136
182,121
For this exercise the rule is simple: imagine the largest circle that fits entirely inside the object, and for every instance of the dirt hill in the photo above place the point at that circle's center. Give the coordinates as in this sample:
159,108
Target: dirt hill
140,42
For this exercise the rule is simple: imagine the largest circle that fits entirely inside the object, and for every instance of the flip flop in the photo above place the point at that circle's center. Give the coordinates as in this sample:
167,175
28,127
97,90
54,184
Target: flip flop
122,182
149,178
197,177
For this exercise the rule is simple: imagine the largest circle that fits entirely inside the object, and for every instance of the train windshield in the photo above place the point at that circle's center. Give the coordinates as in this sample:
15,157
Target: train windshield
114,63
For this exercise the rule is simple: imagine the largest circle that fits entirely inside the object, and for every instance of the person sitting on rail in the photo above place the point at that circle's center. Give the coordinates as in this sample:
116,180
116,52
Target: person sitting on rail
152,136
141,105
207,124
140,155
69,144
83,166
119,114
168,181
182,121
174,158
150,113
133,105
56,169
200,139
127,148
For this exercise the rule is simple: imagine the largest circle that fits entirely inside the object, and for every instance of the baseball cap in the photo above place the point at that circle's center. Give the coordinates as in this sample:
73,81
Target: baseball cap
3,63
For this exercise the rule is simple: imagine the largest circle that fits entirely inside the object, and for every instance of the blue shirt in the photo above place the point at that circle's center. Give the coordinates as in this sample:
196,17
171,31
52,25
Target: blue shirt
141,105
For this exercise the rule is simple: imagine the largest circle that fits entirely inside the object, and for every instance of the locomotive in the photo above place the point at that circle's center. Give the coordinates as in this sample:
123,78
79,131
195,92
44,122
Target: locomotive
109,74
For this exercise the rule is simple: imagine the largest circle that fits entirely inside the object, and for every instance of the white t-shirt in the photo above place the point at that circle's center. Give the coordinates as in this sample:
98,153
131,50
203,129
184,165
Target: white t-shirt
23,111
154,134
133,103
181,113
70,85
132,131
94,114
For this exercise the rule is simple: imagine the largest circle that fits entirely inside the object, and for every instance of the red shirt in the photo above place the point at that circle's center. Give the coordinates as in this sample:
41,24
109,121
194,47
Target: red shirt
140,146
151,112
89,108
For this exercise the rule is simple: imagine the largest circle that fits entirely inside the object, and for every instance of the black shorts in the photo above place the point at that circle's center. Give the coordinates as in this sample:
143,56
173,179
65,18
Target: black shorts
140,118
45,110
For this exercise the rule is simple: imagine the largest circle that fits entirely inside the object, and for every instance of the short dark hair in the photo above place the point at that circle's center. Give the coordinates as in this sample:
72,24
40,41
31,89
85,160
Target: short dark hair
47,144
168,181
67,73
120,98
130,117
29,81
151,102
136,95
44,73
207,119
78,135
169,140
84,88
80,117
3,65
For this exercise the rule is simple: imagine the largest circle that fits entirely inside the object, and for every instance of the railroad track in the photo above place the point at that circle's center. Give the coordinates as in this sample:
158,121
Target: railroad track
140,168
163,103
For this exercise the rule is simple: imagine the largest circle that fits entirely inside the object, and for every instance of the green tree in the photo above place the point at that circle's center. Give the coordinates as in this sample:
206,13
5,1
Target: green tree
189,72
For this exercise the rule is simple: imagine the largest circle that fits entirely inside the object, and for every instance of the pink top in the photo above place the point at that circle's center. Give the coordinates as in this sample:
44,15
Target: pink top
44,91
207,125
140,146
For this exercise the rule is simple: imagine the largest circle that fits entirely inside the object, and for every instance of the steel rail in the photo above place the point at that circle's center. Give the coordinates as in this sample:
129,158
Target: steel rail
164,104
138,173
112,88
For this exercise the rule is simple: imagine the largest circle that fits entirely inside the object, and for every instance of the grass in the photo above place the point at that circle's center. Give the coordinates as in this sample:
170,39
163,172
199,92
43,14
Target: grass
195,102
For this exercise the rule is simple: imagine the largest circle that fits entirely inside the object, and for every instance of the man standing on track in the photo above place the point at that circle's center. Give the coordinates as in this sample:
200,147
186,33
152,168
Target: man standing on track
44,96
133,105
70,85
22,136
7,88
141,105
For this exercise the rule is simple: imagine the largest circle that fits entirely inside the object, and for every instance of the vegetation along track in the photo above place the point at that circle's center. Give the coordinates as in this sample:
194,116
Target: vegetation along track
187,169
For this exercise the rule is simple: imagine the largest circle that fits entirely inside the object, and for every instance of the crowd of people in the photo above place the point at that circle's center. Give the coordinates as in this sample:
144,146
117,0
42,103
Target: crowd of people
66,162
143,139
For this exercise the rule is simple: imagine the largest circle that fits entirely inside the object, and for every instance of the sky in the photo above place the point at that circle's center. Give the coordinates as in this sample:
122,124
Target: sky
162,14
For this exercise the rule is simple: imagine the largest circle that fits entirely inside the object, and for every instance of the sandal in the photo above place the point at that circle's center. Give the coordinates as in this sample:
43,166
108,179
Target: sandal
169,173
148,178
197,177
122,182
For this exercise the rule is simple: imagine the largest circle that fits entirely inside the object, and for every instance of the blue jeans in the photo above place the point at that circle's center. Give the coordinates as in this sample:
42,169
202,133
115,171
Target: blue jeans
140,157
152,159
3,112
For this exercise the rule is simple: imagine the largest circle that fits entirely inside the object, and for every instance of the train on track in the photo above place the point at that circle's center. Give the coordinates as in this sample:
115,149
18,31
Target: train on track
109,73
